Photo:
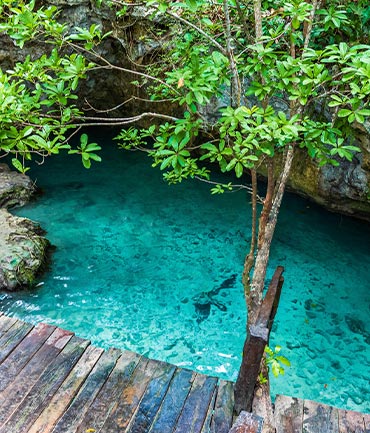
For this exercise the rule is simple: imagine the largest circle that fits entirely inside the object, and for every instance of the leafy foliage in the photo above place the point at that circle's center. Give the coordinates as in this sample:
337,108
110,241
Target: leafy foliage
38,113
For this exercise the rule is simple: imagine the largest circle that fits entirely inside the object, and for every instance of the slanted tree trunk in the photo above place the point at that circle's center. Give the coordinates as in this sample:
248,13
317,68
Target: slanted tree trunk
262,405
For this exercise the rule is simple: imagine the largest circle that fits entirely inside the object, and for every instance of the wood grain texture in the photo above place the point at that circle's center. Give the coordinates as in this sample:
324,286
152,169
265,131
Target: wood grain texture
351,422
18,388
319,417
35,401
195,408
5,323
126,406
108,396
54,382
12,337
288,414
61,401
224,406
19,357
173,402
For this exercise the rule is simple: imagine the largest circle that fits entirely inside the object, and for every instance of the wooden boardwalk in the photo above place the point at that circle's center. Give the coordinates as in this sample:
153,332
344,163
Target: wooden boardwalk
53,381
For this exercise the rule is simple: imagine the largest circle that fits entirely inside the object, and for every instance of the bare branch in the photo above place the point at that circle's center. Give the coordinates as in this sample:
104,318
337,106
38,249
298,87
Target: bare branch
109,65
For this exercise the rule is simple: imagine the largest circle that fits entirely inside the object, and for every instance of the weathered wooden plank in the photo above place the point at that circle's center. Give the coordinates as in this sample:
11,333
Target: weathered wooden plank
128,403
247,423
319,417
66,393
223,411
152,398
173,402
196,405
254,345
351,422
367,422
208,419
288,414
80,405
12,338
45,387
108,395
13,394
6,323
19,357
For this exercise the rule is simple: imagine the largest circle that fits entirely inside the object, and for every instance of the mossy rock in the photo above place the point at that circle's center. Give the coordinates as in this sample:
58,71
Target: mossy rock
23,251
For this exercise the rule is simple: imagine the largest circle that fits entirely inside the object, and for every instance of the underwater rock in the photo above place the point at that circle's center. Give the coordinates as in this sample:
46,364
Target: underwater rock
23,251
205,300
357,326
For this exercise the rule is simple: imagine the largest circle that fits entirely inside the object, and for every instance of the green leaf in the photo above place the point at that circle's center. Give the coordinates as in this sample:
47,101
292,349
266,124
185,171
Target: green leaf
239,169
344,112
83,140
17,164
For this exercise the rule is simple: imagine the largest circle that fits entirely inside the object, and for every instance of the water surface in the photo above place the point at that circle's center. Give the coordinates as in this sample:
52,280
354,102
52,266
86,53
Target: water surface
136,259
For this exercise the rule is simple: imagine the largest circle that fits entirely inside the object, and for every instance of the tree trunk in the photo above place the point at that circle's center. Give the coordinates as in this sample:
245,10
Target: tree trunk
262,405
263,253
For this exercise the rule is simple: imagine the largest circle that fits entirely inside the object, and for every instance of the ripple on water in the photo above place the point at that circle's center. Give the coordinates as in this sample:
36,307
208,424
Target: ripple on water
136,260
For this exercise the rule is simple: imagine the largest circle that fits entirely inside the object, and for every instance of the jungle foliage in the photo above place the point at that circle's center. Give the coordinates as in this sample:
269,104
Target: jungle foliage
253,81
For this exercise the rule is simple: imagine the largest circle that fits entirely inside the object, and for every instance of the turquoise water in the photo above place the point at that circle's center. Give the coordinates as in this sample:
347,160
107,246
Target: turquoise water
134,256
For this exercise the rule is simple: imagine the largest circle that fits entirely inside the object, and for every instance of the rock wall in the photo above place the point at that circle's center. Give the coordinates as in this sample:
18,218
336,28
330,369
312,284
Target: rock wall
23,248
344,189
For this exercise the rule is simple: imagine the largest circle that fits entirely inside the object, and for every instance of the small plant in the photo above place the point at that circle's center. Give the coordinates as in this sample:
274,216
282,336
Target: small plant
275,361
86,150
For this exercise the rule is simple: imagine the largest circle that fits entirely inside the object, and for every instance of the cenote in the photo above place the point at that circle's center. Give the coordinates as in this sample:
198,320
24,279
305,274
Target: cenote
153,268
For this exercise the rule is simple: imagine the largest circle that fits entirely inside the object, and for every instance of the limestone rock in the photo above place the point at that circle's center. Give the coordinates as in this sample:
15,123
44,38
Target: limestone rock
15,188
22,247
22,251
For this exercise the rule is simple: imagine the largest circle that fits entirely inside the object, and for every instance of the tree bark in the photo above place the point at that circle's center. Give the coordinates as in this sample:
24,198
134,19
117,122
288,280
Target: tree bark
249,259
263,253
262,405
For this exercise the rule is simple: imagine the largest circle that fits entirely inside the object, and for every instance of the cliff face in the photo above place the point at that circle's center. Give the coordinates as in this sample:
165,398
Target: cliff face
344,189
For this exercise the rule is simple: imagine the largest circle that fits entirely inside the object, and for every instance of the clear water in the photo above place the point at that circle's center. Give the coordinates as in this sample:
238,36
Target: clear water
133,254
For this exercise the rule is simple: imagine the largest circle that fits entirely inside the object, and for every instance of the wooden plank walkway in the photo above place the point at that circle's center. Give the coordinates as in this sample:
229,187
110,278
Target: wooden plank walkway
293,415
54,382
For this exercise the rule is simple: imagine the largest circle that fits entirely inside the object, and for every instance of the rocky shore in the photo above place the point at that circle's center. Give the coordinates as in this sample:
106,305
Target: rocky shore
23,248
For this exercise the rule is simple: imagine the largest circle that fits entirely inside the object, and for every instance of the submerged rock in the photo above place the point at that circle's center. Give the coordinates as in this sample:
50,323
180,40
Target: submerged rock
23,249
204,300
